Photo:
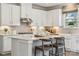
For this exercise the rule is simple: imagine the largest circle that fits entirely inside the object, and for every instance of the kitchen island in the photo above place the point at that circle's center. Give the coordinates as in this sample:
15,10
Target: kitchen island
22,45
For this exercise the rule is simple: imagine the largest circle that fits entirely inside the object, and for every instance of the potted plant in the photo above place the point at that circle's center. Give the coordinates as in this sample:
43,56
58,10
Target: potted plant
6,30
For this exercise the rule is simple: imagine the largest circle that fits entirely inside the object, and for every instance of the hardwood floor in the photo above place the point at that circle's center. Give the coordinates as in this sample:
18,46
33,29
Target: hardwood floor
68,53
8,54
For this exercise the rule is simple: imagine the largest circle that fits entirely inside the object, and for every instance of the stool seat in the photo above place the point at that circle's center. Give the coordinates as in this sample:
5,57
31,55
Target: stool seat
58,45
46,47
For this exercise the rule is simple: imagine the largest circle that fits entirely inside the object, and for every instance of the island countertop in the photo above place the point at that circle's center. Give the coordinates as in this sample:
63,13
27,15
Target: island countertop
32,37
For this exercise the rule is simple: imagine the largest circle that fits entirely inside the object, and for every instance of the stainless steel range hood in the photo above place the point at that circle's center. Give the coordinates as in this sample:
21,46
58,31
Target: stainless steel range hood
26,20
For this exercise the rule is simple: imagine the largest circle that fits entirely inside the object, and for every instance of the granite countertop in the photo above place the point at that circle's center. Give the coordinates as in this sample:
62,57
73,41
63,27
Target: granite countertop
16,34
31,36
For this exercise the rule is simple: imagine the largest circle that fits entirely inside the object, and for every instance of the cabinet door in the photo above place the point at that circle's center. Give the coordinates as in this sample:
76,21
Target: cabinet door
50,18
68,43
15,15
5,14
73,43
21,47
43,18
1,43
39,17
77,44
56,17
6,43
36,17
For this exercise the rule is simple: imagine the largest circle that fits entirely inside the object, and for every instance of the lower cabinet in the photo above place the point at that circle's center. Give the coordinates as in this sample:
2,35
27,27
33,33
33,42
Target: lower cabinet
68,44
21,47
77,44
72,43
5,44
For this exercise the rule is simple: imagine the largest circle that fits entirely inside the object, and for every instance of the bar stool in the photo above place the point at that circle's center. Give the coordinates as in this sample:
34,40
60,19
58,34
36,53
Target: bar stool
44,47
59,44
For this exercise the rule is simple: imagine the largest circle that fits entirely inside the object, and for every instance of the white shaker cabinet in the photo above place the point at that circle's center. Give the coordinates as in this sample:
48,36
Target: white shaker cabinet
44,19
47,18
5,14
36,17
68,43
9,15
5,44
39,17
15,15
26,9
77,44
21,47
55,17
72,43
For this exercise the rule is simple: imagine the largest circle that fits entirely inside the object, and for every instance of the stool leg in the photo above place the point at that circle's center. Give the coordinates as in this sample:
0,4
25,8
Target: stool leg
43,48
43,53
49,53
52,47
64,48
65,51
35,51
56,52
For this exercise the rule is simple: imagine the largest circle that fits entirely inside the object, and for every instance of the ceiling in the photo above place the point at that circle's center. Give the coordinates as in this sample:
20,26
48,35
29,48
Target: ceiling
47,4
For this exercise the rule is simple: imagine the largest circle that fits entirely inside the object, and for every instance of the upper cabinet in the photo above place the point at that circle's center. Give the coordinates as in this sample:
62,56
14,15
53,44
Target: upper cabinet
26,9
5,17
47,18
9,15
39,17
15,15
55,17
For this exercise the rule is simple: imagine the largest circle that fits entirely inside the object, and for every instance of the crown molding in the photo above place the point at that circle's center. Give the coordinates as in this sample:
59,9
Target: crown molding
60,6
39,7
46,8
